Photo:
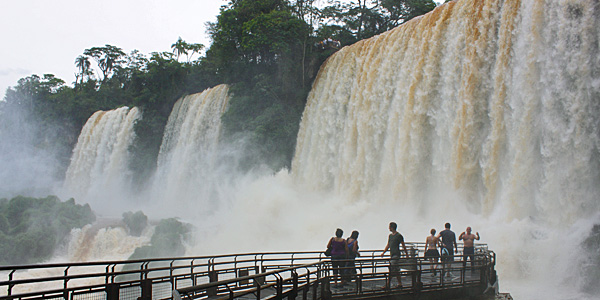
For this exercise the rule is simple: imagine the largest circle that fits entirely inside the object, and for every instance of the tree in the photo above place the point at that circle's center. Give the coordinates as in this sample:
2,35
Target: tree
261,49
182,47
179,47
107,57
83,65
31,228
194,49
366,18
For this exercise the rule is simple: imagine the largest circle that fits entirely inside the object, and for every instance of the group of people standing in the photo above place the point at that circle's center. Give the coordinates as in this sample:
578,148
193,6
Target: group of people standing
343,254
344,251
446,240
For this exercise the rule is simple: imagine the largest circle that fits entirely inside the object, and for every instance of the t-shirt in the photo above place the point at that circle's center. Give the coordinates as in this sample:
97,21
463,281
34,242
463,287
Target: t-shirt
448,238
338,248
394,240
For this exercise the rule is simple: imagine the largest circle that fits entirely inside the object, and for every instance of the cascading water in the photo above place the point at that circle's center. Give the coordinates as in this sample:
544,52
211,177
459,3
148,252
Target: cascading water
187,171
99,165
480,112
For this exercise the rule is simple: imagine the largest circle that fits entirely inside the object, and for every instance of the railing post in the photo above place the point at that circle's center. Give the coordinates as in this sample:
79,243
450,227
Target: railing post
213,276
66,285
192,274
258,285
171,278
112,291
146,285
279,285
325,288
294,292
10,285
243,273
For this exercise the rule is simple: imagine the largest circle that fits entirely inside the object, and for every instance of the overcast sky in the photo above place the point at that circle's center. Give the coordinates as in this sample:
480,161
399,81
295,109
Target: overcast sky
45,36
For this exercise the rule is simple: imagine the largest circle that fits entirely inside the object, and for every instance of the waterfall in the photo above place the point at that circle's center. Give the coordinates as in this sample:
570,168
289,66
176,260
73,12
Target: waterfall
495,100
480,112
188,165
99,165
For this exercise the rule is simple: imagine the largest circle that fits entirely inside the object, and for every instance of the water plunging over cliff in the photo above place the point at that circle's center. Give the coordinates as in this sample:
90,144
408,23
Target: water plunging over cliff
494,100
99,165
478,110
188,162
480,113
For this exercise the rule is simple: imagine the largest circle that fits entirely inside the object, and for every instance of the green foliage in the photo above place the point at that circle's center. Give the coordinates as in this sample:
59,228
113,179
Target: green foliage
367,18
182,47
31,228
167,240
136,222
263,51
107,57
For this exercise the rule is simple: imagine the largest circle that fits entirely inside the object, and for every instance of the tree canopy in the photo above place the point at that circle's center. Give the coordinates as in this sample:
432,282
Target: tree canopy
31,228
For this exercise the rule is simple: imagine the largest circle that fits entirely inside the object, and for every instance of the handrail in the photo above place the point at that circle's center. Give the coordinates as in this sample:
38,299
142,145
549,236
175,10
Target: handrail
197,270
190,292
191,289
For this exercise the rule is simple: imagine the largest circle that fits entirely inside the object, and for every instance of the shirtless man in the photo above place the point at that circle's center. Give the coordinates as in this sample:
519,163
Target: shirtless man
431,251
469,245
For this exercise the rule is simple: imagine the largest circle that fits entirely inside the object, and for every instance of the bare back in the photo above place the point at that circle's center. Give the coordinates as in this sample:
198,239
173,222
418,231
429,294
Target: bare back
432,242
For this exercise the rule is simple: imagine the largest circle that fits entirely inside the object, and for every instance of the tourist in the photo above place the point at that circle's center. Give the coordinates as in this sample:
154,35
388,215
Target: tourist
469,245
393,244
431,251
352,242
339,252
449,243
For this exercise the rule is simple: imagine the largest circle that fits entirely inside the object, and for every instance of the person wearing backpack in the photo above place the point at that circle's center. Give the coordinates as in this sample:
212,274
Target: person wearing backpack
353,253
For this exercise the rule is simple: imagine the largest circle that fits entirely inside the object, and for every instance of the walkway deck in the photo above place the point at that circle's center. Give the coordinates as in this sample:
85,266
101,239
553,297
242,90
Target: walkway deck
277,275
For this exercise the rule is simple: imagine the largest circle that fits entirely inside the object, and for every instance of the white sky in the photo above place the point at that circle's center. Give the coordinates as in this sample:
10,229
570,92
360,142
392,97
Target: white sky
45,36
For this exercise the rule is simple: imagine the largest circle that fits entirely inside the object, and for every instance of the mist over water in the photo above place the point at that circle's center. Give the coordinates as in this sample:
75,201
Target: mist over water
27,167
480,113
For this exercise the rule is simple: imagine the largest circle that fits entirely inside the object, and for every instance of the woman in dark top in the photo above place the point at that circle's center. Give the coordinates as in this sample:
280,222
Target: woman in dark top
352,254
339,252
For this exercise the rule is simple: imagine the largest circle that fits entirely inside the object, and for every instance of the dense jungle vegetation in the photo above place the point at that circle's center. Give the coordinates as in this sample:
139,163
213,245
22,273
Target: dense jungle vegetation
32,228
269,51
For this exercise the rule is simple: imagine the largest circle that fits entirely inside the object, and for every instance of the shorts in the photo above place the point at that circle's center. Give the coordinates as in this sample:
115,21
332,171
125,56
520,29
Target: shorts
469,252
432,253
450,256
395,264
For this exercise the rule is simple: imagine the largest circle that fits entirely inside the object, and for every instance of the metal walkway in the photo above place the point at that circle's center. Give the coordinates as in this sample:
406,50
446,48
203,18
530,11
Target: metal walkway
277,275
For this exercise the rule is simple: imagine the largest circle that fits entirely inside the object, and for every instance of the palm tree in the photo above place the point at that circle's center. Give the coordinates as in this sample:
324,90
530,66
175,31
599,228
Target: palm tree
195,48
83,65
180,47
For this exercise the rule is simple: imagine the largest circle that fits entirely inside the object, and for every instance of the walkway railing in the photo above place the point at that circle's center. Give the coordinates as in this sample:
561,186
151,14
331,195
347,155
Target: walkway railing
276,275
